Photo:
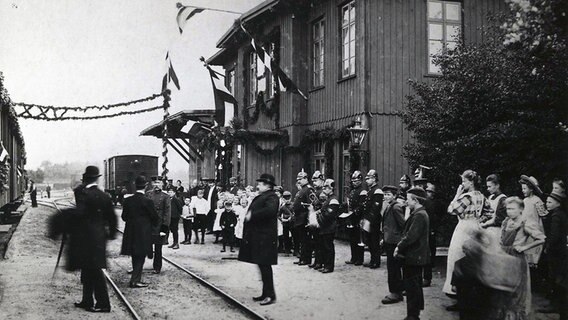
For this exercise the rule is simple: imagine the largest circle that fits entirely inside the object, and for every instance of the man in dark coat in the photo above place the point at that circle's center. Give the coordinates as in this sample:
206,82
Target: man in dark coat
301,219
327,219
356,197
176,209
436,209
33,193
140,216
393,226
87,247
260,236
414,249
372,207
162,204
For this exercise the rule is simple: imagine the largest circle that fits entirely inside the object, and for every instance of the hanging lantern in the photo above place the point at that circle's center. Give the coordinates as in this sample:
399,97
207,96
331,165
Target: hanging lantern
358,133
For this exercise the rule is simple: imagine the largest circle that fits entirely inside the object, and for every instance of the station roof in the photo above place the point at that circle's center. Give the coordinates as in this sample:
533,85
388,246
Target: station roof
203,120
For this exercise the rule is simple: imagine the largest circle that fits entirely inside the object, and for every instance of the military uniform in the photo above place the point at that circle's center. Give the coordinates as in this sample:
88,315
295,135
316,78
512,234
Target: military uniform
372,213
314,233
327,218
162,204
300,222
356,199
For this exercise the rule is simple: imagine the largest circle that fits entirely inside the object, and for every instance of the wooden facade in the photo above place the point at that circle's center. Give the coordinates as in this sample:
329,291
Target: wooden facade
391,48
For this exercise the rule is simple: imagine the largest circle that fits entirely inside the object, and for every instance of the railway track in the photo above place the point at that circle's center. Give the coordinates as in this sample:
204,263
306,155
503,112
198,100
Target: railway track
245,310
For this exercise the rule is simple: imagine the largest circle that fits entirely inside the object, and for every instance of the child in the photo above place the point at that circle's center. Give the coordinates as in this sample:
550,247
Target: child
241,213
200,208
285,216
217,224
187,219
228,222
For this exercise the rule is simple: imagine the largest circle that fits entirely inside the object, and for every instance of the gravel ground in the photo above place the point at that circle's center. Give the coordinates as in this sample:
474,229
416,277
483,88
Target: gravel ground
26,291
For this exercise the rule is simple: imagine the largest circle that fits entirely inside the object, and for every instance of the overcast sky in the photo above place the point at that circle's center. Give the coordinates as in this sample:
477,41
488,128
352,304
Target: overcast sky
69,52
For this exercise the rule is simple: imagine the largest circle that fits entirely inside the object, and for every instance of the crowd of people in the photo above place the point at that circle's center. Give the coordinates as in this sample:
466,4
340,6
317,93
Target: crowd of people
500,248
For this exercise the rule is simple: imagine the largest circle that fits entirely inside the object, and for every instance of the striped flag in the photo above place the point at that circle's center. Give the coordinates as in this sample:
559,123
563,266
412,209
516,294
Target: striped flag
3,153
184,14
170,74
284,82
225,102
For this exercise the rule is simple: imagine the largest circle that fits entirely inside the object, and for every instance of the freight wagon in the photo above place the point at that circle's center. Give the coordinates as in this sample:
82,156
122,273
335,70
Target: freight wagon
121,171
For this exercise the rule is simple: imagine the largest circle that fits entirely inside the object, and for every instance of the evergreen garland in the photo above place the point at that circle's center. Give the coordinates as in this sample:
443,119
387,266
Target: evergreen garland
272,111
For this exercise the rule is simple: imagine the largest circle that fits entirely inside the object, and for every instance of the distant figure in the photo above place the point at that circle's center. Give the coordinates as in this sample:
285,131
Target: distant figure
88,240
140,216
259,245
48,190
33,193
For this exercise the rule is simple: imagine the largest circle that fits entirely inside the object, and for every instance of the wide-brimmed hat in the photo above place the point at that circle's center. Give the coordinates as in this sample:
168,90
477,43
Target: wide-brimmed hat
267,178
389,188
91,172
532,182
140,181
560,197
417,191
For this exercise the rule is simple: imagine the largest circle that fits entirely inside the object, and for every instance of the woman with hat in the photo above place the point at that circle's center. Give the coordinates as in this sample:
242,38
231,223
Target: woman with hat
469,205
533,212
260,236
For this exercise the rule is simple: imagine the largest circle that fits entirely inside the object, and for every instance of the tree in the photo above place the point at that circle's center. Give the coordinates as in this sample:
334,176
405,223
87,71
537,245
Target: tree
36,175
499,107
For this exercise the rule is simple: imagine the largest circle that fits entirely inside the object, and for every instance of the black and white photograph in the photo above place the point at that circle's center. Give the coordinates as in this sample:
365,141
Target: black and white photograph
284,159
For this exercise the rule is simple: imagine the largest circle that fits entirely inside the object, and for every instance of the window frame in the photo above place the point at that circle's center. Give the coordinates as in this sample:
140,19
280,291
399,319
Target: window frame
320,21
350,25
318,153
252,80
444,22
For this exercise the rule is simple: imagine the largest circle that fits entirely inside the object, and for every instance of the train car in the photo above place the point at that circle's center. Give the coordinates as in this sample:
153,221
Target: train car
12,173
121,171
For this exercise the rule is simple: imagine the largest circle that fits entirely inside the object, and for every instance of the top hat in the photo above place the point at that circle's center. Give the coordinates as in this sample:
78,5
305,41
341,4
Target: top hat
267,178
417,191
532,182
91,172
140,181
560,197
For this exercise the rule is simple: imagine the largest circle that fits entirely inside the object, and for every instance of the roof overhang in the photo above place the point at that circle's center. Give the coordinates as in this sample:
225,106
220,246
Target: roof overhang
203,121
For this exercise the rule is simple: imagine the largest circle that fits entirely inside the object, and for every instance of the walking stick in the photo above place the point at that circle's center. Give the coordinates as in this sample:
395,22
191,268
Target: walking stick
59,255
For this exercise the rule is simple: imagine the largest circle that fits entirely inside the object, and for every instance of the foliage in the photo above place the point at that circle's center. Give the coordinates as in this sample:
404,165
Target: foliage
58,172
498,106
36,176
4,176
260,105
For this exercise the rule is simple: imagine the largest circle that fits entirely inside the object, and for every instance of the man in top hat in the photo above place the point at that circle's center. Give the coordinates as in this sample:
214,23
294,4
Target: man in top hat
212,196
140,216
260,236
555,246
372,207
393,226
301,218
413,248
94,214
355,200
162,205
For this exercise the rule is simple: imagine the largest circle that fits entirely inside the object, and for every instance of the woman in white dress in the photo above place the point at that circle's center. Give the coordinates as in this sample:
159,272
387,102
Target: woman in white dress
241,212
469,205
533,212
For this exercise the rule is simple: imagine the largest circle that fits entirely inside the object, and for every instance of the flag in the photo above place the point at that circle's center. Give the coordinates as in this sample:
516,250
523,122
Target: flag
170,74
184,14
284,82
225,102
3,153
19,172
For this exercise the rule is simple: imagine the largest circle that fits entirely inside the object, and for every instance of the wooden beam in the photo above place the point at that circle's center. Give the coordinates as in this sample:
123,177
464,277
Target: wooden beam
178,151
192,148
184,150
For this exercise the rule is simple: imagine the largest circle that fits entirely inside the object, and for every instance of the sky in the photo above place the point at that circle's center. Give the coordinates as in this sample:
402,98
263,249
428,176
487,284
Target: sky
75,53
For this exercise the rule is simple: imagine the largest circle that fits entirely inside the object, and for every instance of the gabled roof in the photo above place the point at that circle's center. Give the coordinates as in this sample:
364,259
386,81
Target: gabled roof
245,17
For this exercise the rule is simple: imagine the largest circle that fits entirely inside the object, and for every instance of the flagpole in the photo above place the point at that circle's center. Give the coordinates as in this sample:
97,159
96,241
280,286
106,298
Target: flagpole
212,9
202,59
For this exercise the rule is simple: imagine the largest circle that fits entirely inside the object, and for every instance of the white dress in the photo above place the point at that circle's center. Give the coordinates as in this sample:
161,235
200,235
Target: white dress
241,213
217,224
469,207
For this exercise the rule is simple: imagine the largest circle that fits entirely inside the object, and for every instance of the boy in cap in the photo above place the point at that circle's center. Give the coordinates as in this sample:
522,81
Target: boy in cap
285,216
228,223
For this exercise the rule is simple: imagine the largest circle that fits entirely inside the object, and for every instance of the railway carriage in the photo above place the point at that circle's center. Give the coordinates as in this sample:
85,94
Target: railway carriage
121,171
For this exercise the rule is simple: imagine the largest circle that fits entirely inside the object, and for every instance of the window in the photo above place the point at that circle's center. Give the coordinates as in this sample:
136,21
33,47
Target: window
231,81
444,29
269,81
318,33
348,37
253,89
319,157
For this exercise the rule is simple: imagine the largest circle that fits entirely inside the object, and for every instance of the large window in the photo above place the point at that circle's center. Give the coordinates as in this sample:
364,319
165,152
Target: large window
319,156
348,39
318,33
444,29
253,88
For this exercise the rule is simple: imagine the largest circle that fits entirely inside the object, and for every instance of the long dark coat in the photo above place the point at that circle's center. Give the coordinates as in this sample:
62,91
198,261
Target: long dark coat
414,244
140,216
555,247
162,204
260,233
93,223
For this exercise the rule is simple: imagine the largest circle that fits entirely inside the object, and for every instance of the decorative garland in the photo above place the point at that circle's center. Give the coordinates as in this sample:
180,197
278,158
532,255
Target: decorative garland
4,174
87,108
260,106
118,114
